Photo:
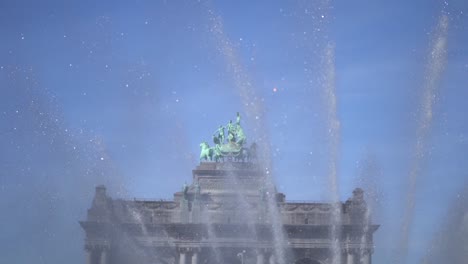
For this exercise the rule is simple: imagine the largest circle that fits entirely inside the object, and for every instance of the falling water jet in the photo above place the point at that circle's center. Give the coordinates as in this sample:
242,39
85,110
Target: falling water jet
243,203
333,136
252,104
122,211
210,221
434,69
369,174
325,51
212,238
254,109
364,237
450,243
138,218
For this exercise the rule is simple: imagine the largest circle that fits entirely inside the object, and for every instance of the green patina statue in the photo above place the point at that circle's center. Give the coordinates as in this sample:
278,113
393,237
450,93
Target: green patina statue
206,152
230,147
185,189
220,136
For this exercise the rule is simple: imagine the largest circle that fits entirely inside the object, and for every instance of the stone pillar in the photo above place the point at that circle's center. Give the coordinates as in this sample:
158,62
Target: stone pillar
272,259
181,257
195,214
89,256
260,259
366,258
184,211
103,256
349,257
195,257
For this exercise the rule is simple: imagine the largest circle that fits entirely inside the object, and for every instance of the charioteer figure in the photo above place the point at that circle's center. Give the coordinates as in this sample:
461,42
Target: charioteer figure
231,148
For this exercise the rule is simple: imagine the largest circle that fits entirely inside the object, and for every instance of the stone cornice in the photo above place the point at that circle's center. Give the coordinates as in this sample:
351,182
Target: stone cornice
97,244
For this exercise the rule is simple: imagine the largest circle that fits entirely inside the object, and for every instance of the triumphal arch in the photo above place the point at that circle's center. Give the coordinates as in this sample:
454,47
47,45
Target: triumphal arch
230,213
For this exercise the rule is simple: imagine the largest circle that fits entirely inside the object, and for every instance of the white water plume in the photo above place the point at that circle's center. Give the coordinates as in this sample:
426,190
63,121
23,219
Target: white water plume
240,197
317,16
212,237
435,67
333,139
136,215
364,237
254,110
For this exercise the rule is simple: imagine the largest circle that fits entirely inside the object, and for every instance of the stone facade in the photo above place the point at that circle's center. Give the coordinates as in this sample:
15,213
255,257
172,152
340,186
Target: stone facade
224,217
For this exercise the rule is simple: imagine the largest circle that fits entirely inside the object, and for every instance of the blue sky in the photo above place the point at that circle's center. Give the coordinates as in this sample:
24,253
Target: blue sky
123,93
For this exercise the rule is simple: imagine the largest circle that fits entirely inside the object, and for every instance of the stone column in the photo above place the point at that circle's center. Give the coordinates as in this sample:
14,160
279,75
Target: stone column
272,259
103,256
89,256
349,257
182,257
260,259
366,258
195,257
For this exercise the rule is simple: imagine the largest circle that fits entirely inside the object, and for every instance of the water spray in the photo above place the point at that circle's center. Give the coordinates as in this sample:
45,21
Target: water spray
253,108
434,70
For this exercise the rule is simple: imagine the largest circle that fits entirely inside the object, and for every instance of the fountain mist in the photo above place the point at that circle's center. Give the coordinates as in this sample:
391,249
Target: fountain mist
434,69
253,108
318,16
333,126
212,237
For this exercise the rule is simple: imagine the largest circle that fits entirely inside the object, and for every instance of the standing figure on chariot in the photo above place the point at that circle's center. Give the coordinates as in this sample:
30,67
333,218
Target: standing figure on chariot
233,148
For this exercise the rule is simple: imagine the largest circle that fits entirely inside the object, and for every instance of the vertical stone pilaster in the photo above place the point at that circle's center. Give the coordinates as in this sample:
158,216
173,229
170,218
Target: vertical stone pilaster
88,256
272,259
182,257
195,257
103,258
260,257
184,211
196,211
366,258
349,257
